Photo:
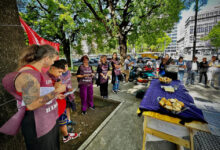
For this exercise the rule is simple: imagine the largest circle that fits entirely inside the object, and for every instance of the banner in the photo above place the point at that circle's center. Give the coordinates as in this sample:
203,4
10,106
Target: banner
34,38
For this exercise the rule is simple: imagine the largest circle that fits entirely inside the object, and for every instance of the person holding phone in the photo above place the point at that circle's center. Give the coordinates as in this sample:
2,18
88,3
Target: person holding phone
36,99
55,73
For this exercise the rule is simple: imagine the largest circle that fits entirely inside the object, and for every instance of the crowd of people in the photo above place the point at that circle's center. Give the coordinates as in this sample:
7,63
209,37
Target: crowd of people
44,106
190,68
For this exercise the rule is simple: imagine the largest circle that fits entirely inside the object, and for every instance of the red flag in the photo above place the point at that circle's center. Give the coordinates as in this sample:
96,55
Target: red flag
34,38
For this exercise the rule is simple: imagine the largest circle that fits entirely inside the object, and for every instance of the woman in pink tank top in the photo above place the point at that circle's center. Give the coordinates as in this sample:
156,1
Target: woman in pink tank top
36,95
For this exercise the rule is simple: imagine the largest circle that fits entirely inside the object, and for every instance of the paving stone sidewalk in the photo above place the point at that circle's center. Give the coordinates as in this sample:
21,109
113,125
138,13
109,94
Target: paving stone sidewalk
125,129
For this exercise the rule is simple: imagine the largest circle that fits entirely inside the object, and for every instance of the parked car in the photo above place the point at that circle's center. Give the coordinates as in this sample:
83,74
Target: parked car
76,60
91,61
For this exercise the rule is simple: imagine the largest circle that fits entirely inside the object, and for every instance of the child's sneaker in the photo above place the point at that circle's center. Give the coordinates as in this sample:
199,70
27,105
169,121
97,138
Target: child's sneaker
71,136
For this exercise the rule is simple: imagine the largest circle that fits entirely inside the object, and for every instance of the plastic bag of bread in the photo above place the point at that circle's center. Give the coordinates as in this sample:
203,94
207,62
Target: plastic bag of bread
165,80
173,105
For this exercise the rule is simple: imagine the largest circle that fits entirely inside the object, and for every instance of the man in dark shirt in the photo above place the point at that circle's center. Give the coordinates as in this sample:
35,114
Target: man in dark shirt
168,59
203,67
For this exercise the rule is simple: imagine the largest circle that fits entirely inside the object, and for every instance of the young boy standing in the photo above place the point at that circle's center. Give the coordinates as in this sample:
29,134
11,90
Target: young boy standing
66,79
54,73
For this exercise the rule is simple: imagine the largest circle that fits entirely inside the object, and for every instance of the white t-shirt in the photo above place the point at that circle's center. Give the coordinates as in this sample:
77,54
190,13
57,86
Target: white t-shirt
194,66
126,67
214,64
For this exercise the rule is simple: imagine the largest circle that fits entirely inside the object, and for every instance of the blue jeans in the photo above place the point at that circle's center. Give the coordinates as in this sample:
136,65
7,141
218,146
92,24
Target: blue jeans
191,77
180,75
116,84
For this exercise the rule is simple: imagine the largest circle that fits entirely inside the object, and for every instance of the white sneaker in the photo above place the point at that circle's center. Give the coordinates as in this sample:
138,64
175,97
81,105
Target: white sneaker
71,136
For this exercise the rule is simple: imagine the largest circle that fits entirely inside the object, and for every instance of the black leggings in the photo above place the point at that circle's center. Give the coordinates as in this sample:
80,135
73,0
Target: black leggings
104,89
50,141
205,75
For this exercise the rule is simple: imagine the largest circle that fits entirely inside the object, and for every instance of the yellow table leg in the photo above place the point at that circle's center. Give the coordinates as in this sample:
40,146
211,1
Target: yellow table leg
191,134
145,132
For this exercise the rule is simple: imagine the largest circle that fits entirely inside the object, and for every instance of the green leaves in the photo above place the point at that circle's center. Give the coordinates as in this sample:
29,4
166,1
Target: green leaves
101,24
214,36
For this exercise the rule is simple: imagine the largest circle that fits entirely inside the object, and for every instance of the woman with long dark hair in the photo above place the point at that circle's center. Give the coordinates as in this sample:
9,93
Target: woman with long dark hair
36,96
116,72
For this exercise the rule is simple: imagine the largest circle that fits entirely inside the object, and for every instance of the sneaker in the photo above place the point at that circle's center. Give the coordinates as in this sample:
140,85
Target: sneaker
93,107
71,136
84,112
105,97
114,91
119,90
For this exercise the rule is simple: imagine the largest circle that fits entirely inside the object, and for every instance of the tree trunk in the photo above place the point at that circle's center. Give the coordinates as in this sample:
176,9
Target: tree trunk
123,46
66,49
12,40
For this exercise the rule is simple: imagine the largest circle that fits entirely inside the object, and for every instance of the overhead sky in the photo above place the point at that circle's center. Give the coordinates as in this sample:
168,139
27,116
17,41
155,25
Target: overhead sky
187,13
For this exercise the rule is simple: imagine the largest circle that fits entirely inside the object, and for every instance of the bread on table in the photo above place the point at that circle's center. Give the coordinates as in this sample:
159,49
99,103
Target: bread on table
172,104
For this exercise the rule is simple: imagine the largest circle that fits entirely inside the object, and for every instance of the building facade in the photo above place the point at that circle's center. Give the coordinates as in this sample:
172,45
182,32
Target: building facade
205,22
172,47
180,46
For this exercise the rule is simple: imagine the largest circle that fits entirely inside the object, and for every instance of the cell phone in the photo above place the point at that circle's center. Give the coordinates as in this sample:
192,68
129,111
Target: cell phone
71,92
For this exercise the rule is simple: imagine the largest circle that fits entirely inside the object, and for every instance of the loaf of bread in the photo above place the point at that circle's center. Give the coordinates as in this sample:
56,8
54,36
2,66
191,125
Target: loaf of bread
172,104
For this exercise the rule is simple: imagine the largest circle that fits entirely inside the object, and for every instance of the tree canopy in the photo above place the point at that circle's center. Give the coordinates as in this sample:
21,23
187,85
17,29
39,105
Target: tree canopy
132,20
57,20
214,36
106,25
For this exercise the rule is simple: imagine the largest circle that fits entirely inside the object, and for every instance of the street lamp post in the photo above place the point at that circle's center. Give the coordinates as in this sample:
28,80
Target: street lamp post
195,27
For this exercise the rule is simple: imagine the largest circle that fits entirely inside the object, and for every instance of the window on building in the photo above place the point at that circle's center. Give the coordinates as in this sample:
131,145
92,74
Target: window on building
191,31
210,28
198,29
202,29
206,29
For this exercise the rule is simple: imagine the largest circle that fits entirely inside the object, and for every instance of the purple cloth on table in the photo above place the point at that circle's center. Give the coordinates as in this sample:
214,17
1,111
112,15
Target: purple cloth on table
150,103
